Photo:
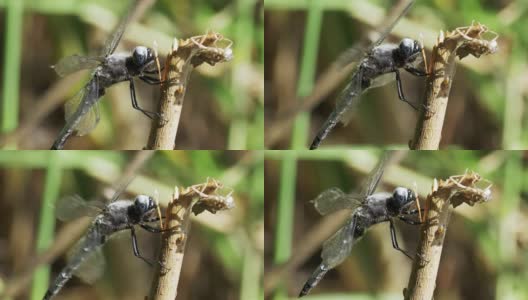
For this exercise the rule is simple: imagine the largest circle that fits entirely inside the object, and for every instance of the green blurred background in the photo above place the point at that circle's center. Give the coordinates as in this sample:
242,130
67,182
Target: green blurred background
486,108
485,254
223,106
223,256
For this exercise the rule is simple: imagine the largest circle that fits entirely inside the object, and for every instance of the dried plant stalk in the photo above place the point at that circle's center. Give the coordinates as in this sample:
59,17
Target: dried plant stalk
194,199
452,192
458,43
184,57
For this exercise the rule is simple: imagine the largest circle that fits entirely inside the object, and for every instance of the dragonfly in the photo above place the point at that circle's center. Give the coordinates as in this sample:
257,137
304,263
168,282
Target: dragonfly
377,65
108,68
109,219
367,209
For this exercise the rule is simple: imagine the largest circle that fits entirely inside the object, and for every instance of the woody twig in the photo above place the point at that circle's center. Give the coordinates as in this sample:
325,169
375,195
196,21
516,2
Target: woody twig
194,199
452,192
460,43
185,56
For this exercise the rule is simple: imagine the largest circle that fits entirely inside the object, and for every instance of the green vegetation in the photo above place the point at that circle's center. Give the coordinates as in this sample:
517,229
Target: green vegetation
488,240
224,105
225,249
485,109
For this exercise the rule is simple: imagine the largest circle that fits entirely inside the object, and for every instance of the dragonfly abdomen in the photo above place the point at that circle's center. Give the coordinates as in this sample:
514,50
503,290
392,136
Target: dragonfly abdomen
66,273
317,275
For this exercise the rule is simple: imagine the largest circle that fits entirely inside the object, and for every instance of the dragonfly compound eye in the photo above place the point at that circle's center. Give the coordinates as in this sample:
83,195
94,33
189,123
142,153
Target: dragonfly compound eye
143,203
407,47
141,55
400,198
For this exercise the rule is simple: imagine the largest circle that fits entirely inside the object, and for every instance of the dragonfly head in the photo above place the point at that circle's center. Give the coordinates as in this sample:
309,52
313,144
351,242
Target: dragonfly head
401,199
142,56
408,49
143,204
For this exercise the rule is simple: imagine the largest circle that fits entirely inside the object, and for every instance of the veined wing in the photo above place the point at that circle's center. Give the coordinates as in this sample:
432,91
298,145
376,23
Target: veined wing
348,99
74,63
334,199
375,175
129,173
113,40
73,207
382,80
121,186
349,56
338,247
390,26
92,266
81,111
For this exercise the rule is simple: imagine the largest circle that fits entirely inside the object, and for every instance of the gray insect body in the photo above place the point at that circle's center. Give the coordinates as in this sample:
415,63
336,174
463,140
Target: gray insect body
122,66
81,112
380,62
117,216
368,209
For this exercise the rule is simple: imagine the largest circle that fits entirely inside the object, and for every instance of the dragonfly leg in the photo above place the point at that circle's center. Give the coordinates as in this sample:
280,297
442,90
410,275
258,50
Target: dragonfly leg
416,72
158,230
153,219
135,248
400,90
409,221
413,212
155,71
149,114
150,80
395,241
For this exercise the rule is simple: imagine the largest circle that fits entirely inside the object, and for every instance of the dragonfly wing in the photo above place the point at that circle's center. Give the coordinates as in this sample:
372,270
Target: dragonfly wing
349,56
333,200
92,266
73,207
375,175
382,80
338,246
81,111
347,100
350,97
113,40
74,63
390,26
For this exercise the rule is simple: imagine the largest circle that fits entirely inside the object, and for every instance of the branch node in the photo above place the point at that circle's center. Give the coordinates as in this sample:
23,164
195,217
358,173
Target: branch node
454,191
186,54
196,199
460,43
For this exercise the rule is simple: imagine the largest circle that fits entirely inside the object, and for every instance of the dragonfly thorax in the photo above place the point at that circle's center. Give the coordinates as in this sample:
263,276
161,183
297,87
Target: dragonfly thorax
114,70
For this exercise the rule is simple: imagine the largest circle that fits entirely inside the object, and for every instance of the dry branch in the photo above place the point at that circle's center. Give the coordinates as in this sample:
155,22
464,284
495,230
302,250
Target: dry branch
195,199
184,57
452,192
458,43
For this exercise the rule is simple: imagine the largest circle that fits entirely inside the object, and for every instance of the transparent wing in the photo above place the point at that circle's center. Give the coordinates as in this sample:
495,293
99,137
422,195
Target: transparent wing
113,40
333,200
349,56
92,266
74,63
375,175
390,26
81,111
347,100
338,247
382,80
73,207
